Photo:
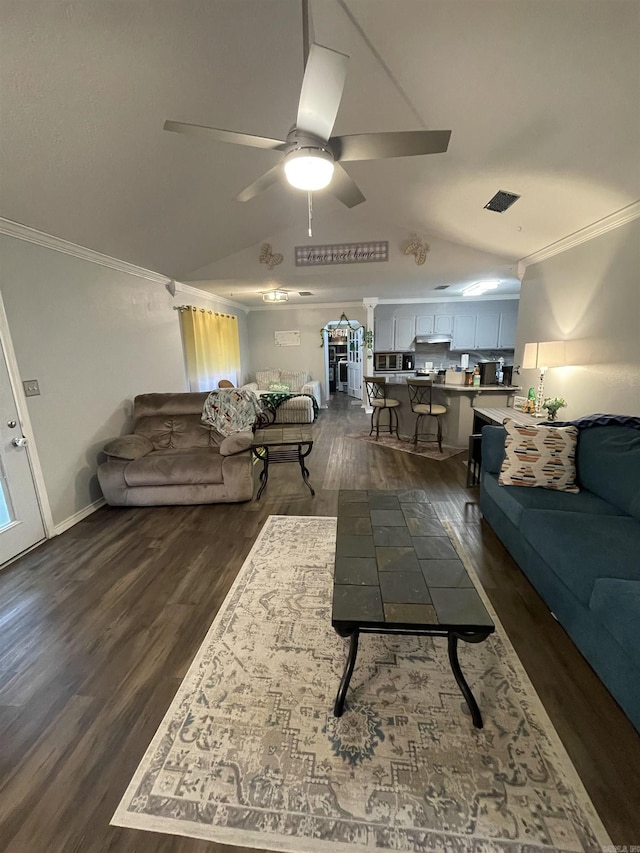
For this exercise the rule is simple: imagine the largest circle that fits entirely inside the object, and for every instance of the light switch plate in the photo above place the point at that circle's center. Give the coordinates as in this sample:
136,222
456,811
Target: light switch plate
31,388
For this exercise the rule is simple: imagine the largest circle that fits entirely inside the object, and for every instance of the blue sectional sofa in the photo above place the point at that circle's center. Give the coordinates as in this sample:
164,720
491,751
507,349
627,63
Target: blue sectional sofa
582,551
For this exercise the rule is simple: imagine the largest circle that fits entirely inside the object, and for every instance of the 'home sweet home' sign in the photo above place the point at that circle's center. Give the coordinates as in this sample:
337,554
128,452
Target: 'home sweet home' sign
342,253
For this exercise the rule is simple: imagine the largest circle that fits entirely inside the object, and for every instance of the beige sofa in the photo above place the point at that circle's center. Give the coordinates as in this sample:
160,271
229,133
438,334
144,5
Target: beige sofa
297,410
173,458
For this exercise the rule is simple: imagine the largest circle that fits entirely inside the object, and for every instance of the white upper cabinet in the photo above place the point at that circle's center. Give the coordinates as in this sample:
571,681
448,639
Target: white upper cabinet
464,331
443,324
508,328
487,331
405,333
424,324
383,334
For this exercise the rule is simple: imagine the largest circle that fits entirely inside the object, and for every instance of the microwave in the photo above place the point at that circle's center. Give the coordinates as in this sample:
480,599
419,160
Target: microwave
388,361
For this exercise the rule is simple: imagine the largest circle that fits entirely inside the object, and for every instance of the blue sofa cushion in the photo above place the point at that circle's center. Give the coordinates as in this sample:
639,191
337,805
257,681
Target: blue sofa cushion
580,548
514,500
608,464
616,603
493,448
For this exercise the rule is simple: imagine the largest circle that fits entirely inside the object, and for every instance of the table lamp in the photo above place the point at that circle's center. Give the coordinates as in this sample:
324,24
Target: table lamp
543,355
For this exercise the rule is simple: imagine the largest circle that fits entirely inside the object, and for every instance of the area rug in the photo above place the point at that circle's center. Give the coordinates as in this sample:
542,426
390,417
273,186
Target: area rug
429,451
249,753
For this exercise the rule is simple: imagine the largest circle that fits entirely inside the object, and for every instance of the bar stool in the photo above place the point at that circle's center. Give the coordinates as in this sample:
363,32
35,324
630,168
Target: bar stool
423,406
377,395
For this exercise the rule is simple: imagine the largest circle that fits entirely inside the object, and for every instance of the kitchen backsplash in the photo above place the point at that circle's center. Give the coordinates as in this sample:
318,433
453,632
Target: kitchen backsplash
440,356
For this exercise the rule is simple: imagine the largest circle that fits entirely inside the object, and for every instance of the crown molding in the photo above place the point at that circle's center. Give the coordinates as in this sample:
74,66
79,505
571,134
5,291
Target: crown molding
418,300
298,306
48,241
178,287
607,223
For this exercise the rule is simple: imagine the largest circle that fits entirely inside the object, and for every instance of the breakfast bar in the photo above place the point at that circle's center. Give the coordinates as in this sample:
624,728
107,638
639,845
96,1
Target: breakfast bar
460,400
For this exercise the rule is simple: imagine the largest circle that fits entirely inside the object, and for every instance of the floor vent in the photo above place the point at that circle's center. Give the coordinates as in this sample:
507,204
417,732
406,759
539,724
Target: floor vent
501,201
305,293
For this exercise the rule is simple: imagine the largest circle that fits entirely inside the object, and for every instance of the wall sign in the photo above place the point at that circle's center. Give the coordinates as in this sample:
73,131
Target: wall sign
342,253
287,339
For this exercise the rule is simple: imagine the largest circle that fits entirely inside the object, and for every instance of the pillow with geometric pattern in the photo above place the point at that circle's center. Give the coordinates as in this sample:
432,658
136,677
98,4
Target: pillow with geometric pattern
540,456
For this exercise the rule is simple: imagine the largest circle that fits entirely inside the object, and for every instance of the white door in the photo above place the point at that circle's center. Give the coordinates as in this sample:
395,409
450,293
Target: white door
21,523
354,357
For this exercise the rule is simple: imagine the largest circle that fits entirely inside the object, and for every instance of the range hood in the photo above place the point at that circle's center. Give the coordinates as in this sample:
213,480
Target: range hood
433,339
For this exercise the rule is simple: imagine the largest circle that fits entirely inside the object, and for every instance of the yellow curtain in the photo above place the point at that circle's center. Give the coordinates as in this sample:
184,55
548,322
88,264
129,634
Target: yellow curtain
211,346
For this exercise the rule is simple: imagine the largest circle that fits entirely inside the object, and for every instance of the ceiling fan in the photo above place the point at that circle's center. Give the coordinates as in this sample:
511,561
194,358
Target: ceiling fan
312,157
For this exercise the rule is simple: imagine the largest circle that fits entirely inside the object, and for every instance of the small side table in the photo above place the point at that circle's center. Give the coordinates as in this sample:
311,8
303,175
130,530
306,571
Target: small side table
282,444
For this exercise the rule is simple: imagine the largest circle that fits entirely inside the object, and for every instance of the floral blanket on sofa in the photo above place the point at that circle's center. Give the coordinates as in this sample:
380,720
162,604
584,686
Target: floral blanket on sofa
229,410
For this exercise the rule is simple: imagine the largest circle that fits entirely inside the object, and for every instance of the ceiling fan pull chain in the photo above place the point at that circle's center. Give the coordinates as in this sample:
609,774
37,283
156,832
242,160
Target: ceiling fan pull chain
310,203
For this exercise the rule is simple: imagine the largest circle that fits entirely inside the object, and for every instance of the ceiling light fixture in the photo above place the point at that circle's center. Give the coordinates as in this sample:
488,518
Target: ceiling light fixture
309,169
480,287
275,296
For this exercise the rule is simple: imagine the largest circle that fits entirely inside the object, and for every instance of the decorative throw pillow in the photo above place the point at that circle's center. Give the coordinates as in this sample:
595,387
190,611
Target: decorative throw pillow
283,387
542,456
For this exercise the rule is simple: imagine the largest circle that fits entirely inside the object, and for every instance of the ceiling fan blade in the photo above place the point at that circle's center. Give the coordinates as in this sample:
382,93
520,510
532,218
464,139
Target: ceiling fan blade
321,92
379,146
262,183
225,135
344,188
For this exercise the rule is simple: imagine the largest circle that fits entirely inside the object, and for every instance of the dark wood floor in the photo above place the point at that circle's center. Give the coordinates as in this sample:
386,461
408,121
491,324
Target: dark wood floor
98,628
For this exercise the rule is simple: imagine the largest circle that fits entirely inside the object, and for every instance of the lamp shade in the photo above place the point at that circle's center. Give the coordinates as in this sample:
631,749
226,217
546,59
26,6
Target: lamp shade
309,168
544,354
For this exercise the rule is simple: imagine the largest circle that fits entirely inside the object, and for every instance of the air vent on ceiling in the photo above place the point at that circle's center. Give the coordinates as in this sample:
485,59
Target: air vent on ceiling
501,201
441,287
305,293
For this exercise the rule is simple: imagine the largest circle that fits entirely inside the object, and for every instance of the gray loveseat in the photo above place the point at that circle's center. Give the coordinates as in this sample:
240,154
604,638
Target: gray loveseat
173,458
581,551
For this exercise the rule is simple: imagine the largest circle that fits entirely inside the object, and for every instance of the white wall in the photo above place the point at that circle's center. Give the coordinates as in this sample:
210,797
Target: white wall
588,296
93,337
308,321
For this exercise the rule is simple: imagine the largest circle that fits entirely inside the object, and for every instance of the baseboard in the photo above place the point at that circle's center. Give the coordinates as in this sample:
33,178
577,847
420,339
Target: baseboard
78,516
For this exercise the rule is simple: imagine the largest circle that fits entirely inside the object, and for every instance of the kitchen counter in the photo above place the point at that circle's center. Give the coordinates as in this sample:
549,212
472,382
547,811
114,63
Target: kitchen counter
460,401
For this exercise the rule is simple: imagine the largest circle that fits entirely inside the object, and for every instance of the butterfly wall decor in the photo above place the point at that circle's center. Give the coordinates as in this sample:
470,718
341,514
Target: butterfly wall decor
268,257
418,248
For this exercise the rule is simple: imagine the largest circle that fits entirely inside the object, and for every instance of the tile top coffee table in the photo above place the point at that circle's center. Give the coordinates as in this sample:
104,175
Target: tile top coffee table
397,572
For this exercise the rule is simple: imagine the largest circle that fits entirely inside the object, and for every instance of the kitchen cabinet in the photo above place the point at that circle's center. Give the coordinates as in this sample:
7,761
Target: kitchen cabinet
424,324
507,331
383,334
443,324
404,334
487,331
464,332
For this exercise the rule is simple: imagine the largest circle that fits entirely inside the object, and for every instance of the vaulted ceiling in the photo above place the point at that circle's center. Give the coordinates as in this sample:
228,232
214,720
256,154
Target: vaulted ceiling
541,97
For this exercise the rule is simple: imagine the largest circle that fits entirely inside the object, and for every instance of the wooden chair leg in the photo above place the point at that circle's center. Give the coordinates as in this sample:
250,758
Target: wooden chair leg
415,432
439,432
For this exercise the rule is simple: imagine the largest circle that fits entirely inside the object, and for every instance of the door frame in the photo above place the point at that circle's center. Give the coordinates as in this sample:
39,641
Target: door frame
25,423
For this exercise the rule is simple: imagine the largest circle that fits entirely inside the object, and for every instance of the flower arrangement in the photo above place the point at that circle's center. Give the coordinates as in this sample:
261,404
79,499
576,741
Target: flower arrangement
552,404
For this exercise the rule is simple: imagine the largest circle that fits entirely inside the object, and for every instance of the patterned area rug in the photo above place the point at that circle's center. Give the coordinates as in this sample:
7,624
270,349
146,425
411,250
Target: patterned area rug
249,752
429,451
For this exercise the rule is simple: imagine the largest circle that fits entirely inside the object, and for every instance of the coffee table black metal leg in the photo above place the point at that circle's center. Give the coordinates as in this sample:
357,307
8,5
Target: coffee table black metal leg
338,708
264,474
303,467
462,684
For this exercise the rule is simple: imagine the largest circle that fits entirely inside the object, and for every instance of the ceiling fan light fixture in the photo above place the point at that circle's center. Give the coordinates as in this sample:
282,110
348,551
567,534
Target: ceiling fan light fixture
275,296
309,169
